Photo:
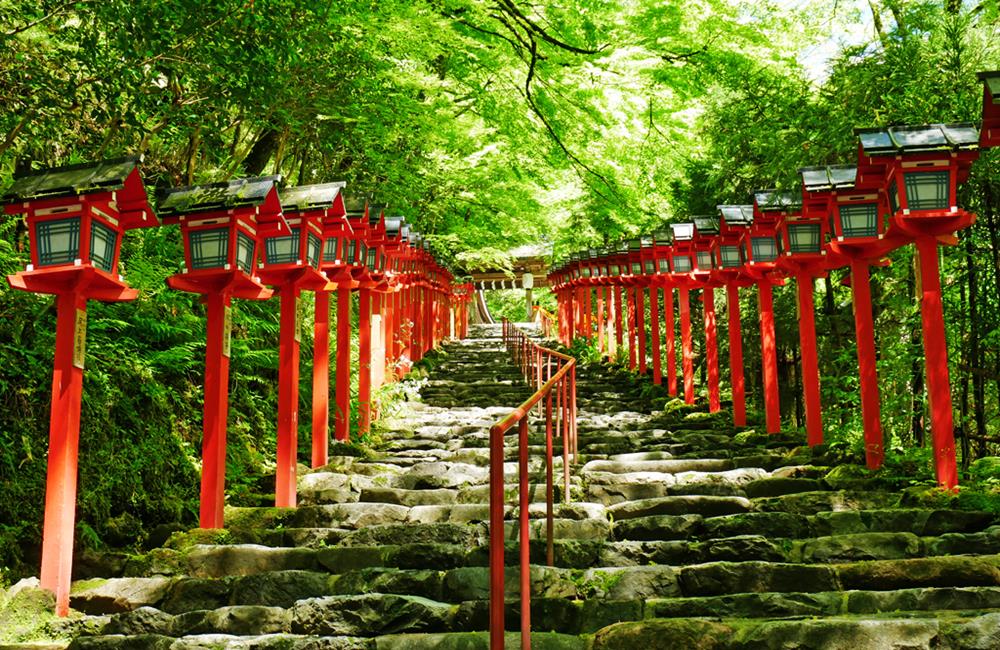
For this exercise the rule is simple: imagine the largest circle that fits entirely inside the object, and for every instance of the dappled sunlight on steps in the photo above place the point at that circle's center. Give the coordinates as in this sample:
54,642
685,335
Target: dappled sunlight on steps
681,533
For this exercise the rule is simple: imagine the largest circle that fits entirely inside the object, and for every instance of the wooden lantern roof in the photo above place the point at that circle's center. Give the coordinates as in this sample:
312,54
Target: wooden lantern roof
828,178
119,178
324,196
990,135
734,217
250,196
901,140
706,226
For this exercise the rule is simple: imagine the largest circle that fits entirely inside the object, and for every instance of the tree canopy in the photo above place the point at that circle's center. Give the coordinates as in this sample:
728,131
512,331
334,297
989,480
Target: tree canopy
488,124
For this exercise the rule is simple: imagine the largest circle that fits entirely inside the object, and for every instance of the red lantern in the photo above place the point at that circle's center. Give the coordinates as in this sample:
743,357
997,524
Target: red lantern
728,249
76,216
923,166
220,224
291,262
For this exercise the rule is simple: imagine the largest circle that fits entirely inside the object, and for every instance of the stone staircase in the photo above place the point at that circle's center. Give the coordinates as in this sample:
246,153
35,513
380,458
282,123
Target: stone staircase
681,534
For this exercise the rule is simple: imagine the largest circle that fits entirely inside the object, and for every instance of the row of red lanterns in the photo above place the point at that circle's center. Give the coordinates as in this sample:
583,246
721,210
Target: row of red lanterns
243,239
902,190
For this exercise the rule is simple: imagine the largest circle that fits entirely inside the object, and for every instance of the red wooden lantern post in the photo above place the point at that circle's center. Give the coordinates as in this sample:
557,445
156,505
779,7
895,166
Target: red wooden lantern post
336,234
728,250
682,263
760,249
805,257
291,264
651,278
923,167
220,224
859,235
76,216
706,229
662,256
363,270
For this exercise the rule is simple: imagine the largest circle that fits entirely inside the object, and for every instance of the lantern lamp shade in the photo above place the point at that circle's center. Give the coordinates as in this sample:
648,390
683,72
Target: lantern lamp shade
649,267
927,190
58,241
334,249
730,256
682,264
372,260
664,264
209,248
614,270
283,249
636,268
704,259
859,220
804,238
764,249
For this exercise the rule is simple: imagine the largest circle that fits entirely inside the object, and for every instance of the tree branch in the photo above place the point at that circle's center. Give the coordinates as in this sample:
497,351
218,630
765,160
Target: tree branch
531,26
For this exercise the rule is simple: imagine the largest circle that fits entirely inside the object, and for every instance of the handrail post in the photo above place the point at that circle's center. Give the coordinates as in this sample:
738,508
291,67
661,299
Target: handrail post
496,539
549,489
525,501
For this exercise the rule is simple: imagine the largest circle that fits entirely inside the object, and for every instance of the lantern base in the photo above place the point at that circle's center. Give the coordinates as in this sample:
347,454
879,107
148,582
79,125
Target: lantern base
236,284
305,278
90,282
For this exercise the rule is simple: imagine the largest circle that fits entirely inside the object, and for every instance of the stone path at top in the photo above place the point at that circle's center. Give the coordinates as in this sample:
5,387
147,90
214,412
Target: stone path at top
682,534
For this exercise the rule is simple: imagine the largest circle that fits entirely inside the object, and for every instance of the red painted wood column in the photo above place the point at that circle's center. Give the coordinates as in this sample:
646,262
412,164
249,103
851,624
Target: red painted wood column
769,357
619,335
64,442
288,398
687,353
736,377
668,329
630,295
654,330
418,323
389,334
216,413
810,360
640,324
321,381
364,361
711,349
342,417
600,319
588,313
864,333
936,360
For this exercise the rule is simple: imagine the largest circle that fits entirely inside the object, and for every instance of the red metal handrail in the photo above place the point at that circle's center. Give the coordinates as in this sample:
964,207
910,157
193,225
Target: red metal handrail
552,373
546,320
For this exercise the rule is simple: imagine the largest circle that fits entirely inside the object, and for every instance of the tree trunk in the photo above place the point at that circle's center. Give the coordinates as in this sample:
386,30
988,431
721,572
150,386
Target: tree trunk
261,152
975,355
